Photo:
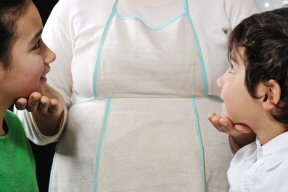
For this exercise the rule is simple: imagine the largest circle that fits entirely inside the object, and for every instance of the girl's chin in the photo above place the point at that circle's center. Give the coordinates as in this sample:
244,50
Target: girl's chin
29,92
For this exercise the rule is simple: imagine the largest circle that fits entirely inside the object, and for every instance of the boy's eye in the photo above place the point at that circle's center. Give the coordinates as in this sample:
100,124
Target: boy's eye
231,69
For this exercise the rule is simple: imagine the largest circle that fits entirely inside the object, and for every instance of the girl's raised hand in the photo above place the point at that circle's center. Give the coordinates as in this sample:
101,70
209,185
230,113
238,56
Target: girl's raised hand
48,102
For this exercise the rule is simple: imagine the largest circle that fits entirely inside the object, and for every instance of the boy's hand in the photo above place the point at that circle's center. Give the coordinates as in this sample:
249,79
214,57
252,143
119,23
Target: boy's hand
225,125
49,102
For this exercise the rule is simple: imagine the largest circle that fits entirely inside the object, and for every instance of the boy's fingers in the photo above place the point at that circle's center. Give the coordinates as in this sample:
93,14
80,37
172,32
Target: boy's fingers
216,122
229,126
243,128
211,115
225,125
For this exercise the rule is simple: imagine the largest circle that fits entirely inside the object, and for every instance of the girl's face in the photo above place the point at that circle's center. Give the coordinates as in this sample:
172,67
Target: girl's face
30,59
238,105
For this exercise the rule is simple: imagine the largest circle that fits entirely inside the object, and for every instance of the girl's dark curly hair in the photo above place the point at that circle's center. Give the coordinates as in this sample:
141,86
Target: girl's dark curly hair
10,12
264,37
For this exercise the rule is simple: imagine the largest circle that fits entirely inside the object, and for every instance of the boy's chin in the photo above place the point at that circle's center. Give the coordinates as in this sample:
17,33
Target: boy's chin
227,114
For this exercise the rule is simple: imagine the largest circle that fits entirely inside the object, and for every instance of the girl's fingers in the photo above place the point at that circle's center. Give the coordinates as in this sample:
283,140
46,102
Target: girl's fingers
44,105
54,107
33,102
21,103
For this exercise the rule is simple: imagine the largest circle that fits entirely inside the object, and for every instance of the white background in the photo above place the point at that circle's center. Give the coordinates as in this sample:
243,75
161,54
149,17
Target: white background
266,5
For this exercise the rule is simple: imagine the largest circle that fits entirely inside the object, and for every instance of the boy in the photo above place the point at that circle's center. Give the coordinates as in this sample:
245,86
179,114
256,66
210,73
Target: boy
255,93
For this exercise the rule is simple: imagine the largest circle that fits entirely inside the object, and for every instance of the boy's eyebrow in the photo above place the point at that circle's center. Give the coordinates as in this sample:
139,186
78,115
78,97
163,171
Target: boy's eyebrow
36,36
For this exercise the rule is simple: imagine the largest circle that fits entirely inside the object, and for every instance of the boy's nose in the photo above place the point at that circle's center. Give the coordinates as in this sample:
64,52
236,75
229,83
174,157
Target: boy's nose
220,81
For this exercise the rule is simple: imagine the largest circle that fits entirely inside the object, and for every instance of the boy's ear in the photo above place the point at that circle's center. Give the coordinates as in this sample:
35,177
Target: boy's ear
271,92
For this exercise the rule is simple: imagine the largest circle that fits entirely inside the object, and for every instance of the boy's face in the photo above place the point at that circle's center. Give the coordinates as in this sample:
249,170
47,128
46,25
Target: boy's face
237,104
30,58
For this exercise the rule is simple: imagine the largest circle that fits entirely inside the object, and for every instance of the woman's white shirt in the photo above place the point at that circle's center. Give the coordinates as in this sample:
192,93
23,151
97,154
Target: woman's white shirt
128,141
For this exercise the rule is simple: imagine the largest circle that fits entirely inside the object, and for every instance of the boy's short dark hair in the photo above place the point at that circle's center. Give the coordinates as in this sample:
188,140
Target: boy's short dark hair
264,37
10,12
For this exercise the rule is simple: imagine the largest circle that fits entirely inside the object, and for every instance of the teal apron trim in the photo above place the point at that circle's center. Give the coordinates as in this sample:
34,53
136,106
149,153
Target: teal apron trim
104,34
83,100
105,31
202,155
100,144
200,53
149,27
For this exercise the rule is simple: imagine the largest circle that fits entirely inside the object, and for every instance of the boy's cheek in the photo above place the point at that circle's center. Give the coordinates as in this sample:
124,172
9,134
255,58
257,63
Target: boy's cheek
224,112
229,112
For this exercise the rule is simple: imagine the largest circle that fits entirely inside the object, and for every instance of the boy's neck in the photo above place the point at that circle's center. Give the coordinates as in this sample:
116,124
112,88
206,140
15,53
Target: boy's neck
266,131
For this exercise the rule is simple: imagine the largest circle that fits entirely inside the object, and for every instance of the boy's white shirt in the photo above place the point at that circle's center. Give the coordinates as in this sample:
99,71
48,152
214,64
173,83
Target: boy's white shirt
257,168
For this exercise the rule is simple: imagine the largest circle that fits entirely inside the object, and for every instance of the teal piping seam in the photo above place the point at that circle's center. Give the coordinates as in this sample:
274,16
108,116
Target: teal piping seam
83,100
202,156
149,27
100,144
200,53
104,34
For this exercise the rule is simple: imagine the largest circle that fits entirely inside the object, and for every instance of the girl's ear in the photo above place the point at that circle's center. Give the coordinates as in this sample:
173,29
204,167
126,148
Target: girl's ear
271,92
1,65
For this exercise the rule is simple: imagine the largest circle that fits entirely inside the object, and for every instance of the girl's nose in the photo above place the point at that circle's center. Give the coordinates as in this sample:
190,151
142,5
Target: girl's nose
49,55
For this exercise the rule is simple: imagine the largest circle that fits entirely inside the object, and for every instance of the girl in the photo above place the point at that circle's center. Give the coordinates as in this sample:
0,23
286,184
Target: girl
24,63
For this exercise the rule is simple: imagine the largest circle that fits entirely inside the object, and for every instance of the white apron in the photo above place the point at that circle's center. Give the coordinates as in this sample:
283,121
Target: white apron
145,127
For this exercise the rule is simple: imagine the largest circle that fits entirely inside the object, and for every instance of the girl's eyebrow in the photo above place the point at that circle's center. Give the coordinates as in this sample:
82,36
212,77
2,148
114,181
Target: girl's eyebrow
36,36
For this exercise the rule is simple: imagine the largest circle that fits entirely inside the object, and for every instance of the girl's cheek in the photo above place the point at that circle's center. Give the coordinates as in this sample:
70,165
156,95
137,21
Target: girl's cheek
34,83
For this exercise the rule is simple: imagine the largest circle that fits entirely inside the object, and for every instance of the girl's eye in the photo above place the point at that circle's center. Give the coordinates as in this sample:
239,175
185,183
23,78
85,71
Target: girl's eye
38,44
